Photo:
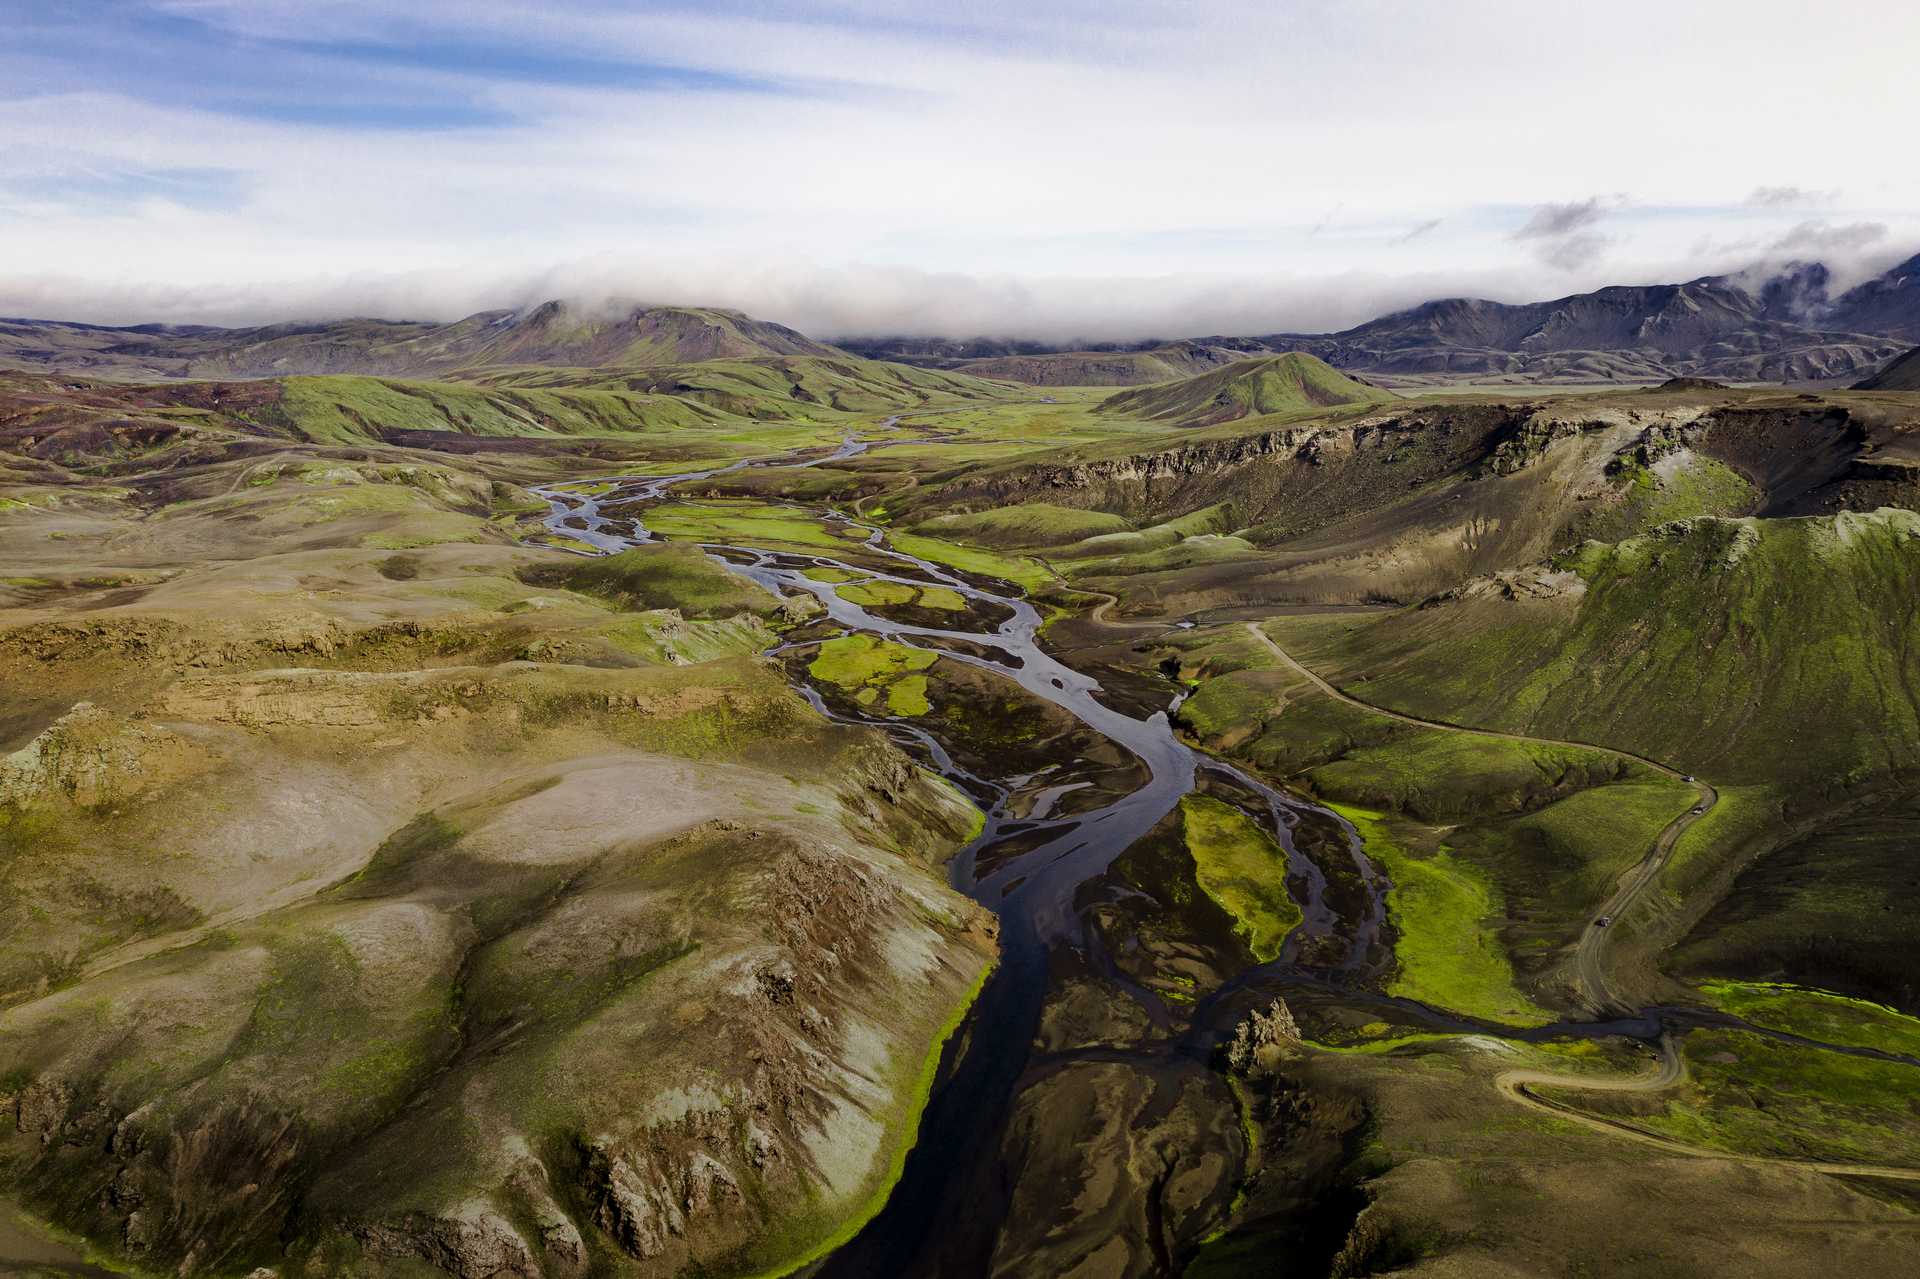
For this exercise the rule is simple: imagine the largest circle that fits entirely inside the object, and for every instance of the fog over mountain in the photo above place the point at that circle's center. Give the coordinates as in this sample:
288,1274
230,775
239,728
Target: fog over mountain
1067,171
867,300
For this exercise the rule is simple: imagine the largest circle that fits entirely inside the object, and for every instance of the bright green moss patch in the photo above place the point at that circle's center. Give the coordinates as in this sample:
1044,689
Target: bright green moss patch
866,667
1243,870
1444,911
1017,569
745,523
853,660
944,598
882,594
877,594
1819,1014
908,696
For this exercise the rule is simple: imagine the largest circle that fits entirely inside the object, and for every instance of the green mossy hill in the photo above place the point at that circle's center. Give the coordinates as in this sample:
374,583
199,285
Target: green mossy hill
553,333
1729,648
668,575
1290,383
360,409
1025,524
1902,375
1098,368
796,388
363,410
1832,908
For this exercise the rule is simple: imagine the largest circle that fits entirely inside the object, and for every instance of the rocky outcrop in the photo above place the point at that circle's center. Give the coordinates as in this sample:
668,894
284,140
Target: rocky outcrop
476,1243
1263,1037
90,757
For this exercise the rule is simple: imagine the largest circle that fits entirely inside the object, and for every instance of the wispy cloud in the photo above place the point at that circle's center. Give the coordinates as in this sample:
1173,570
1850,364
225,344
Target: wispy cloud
1818,238
1561,236
1789,197
1550,221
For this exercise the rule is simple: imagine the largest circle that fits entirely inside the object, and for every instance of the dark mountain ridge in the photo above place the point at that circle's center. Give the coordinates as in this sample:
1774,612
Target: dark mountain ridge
1781,326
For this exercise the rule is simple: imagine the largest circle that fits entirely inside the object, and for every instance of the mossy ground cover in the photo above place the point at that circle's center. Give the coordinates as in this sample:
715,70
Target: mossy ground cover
1550,827
1831,908
742,522
1243,870
1722,647
870,668
1435,775
356,410
1029,524
1190,552
1819,1014
1446,914
1026,573
663,576
1742,816
882,595
1755,1095
913,1104
1558,864
1684,488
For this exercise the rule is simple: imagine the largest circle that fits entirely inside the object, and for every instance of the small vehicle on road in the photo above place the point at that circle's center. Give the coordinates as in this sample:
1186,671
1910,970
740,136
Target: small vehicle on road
1699,809
1603,921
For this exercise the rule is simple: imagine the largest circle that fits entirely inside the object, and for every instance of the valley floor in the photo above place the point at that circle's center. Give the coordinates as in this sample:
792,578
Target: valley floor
981,839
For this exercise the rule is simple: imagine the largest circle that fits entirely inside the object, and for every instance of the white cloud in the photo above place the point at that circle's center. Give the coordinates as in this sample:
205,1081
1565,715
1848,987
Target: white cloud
1126,166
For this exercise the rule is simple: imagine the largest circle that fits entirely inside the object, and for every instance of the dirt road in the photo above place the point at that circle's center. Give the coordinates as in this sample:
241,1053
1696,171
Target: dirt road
1590,954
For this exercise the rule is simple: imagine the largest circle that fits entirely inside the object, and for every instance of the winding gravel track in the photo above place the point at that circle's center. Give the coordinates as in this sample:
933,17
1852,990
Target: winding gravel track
1520,1085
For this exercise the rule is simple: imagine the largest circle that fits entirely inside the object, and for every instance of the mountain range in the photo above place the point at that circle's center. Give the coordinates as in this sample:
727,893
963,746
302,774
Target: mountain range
1783,327
1787,326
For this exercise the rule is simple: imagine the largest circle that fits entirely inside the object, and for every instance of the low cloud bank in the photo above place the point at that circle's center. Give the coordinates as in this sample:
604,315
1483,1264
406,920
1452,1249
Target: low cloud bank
870,301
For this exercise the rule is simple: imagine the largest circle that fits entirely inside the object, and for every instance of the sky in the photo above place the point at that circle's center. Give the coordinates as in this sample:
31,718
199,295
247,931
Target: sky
1106,170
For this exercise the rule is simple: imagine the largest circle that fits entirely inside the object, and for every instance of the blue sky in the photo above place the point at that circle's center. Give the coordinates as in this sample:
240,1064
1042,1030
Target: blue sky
1102,169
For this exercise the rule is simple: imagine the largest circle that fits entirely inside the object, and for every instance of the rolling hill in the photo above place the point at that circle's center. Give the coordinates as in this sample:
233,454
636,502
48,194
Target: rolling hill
1246,388
1102,368
553,333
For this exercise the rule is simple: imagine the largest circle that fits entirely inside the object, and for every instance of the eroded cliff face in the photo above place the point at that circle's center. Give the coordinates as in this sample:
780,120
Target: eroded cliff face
1425,444
1292,476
